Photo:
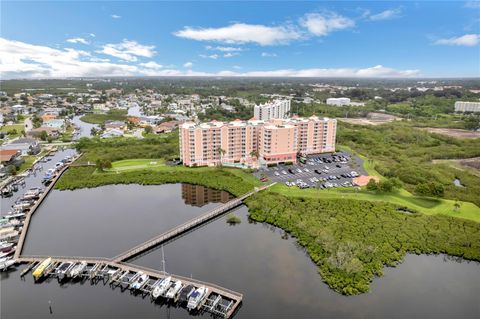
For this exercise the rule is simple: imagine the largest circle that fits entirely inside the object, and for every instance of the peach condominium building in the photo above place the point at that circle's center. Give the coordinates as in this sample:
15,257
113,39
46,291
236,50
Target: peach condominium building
255,143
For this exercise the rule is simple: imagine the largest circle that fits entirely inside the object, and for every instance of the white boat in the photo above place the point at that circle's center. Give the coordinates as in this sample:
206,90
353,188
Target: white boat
15,214
196,297
33,193
161,288
4,265
63,269
77,269
5,246
172,292
137,284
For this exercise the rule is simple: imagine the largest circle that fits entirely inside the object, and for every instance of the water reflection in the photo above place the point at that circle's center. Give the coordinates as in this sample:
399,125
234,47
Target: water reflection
196,195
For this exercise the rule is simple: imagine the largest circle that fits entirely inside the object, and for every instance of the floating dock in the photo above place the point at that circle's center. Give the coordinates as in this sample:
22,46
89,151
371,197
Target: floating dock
219,301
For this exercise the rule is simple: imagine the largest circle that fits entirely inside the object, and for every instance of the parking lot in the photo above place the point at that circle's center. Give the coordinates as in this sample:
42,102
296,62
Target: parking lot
319,171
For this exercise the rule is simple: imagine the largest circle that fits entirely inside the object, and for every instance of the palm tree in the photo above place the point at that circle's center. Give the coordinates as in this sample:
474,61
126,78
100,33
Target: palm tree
222,152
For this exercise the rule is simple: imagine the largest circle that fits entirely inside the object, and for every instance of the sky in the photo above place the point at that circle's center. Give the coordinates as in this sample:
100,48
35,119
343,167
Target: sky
239,38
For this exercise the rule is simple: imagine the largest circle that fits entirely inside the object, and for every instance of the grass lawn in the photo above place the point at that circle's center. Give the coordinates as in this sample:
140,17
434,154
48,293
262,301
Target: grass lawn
8,128
426,205
133,164
28,163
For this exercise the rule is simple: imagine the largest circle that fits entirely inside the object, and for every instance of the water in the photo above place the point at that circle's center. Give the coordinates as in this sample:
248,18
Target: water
277,278
85,128
105,221
34,180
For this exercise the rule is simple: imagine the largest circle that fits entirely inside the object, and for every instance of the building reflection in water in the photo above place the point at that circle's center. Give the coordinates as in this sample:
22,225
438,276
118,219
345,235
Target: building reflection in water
197,195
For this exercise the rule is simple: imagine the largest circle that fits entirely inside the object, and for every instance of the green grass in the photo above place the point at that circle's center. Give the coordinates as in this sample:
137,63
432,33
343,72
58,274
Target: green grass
8,128
229,179
112,115
425,205
134,164
27,164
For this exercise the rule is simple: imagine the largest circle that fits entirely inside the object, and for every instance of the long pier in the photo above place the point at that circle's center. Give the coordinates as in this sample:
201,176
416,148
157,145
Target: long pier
185,227
32,211
234,298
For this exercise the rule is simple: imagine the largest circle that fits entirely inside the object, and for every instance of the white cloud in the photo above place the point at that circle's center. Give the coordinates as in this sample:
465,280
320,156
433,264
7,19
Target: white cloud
116,16
468,40
240,33
267,54
128,50
92,35
472,4
151,65
188,65
20,59
224,49
78,40
321,24
211,56
237,67
23,60
386,15
230,54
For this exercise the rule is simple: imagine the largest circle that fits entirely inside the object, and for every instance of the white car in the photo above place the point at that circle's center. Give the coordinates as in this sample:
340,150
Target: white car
276,173
306,170
59,165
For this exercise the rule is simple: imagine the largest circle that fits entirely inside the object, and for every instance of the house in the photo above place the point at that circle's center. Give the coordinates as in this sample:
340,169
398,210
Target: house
112,133
48,117
27,146
58,123
119,125
19,109
37,132
166,127
11,157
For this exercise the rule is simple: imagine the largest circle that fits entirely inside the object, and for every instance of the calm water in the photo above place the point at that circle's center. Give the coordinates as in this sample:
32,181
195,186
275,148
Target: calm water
85,128
276,277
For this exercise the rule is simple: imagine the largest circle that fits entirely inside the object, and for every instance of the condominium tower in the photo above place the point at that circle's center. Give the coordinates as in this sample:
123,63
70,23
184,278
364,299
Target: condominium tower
278,109
253,143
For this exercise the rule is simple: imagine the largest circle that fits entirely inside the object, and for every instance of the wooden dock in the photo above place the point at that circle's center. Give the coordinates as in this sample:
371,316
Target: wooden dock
234,297
32,211
185,227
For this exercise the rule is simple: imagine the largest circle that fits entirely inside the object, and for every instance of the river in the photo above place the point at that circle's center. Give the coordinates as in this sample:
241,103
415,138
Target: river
85,128
276,276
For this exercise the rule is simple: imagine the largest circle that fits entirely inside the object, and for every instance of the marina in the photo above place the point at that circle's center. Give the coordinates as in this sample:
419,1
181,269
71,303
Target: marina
206,297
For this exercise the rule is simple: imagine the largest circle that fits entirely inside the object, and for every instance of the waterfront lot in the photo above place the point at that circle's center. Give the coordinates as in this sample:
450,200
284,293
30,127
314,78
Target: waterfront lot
321,171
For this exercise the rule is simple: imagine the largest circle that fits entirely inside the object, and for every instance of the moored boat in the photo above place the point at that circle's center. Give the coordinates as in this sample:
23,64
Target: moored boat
196,298
172,292
140,281
40,269
162,287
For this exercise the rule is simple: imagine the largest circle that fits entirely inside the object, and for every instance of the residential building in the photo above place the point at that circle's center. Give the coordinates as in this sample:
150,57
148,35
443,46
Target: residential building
255,143
462,107
10,157
278,109
27,146
341,101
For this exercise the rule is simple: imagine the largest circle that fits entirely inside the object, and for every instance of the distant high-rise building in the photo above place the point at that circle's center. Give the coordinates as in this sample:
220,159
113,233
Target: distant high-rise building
278,109
462,107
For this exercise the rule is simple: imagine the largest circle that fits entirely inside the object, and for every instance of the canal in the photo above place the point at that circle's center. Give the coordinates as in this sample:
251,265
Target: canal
276,276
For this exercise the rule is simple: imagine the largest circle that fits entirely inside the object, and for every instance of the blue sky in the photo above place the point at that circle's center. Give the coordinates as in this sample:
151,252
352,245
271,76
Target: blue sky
345,39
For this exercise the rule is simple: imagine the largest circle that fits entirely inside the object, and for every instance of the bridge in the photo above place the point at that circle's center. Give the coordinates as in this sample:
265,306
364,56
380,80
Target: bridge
185,227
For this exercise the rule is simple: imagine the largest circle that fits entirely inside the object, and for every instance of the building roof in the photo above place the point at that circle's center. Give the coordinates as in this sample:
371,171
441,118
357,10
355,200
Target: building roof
6,155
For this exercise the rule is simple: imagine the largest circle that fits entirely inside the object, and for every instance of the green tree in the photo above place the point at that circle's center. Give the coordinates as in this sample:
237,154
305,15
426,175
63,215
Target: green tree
372,185
43,135
148,129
